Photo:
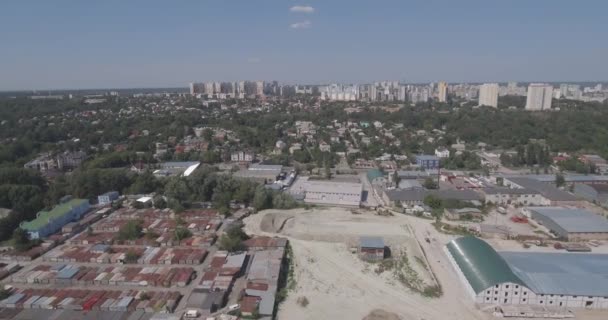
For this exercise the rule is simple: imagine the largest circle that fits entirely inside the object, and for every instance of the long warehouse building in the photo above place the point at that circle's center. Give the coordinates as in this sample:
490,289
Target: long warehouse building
560,280
570,224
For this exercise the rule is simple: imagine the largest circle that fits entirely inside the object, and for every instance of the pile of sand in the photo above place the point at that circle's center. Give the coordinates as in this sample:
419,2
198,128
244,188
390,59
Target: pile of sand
274,223
379,314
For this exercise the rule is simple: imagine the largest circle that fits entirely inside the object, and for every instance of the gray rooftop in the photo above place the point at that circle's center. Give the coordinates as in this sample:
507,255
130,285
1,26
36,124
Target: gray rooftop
579,274
492,190
409,184
371,242
573,220
570,178
426,157
546,190
271,167
420,194
413,174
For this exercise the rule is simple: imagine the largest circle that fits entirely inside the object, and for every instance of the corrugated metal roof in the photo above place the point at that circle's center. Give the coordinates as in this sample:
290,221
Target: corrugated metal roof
546,190
573,220
561,273
68,272
371,242
13,299
373,174
480,263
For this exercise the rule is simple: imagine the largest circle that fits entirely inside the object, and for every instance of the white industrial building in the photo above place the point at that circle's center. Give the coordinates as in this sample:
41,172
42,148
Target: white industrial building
560,280
324,192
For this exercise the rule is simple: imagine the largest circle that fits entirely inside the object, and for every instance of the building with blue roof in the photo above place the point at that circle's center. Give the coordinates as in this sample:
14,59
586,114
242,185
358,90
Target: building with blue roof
547,279
570,224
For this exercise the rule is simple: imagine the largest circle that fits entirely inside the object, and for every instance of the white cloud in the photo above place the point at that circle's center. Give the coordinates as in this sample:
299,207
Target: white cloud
254,60
302,9
301,25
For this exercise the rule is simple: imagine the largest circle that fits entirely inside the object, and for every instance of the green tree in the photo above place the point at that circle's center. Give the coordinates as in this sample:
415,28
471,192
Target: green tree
430,183
262,199
21,240
131,257
131,230
433,202
181,233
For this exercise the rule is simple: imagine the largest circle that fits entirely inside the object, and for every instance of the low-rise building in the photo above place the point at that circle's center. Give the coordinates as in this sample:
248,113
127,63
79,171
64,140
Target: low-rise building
544,279
553,195
595,193
413,197
327,192
427,161
442,152
107,197
570,224
49,222
516,196
371,248
242,156
70,160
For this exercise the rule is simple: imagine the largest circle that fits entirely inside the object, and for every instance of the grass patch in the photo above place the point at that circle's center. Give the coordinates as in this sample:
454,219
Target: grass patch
453,230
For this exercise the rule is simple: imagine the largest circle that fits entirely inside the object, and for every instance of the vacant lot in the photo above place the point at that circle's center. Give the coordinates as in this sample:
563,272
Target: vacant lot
340,286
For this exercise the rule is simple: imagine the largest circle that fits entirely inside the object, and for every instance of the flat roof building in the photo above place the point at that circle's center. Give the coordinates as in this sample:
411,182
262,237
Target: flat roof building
328,192
570,224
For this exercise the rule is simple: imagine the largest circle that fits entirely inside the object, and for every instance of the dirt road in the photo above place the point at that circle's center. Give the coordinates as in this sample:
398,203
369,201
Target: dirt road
340,286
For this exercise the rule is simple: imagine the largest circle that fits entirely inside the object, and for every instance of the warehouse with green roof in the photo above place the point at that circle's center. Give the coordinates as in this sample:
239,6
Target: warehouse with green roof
49,222
566,280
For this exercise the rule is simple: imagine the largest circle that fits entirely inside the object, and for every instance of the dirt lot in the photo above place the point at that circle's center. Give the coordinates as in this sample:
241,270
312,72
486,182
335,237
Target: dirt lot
340,286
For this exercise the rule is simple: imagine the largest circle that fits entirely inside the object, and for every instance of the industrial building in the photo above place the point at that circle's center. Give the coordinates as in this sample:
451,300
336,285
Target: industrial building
173,168
560,280
260,172
327,192
595,193
415,196
570,224
49,222
518,196
552,195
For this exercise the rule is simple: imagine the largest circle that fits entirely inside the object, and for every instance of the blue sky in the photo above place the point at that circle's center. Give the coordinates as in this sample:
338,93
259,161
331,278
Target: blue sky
148,43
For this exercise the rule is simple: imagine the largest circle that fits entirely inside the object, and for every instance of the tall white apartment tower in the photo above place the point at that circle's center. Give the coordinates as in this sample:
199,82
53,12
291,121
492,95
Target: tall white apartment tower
488,95
442,94
539,96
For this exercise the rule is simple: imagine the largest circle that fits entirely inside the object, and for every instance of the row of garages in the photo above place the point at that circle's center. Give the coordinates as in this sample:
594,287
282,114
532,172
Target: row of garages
89,300
120,254
116,276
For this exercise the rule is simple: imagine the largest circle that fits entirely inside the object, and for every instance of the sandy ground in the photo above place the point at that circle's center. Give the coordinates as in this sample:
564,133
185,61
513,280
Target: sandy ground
340,286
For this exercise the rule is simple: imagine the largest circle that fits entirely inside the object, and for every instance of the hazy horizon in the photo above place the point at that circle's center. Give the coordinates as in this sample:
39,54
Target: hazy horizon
64,45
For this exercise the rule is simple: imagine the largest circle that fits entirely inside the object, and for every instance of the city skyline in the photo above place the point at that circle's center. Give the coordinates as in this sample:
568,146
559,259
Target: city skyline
130,45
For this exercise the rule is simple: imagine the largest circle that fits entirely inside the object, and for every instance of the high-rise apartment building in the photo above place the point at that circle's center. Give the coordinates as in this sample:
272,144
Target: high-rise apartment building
442,92
488,95
539,97
259,88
